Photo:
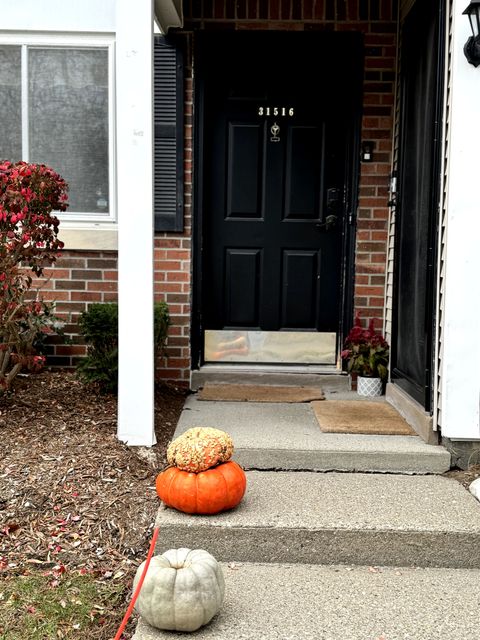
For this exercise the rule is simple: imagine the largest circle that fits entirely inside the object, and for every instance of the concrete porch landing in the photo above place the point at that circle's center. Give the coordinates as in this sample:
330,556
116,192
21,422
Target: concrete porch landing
287,437
307,602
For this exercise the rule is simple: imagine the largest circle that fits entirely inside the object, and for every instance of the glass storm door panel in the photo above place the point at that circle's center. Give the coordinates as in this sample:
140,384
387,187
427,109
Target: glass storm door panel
418,198
274,166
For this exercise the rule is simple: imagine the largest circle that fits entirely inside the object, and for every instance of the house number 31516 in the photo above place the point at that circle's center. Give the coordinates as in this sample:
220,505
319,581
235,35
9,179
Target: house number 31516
276,111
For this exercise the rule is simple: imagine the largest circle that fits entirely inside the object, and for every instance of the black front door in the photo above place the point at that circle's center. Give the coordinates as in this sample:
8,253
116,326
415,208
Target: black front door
278,113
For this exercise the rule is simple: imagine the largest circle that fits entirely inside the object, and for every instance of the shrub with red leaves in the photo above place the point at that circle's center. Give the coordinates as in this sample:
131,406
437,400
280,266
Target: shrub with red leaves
30,194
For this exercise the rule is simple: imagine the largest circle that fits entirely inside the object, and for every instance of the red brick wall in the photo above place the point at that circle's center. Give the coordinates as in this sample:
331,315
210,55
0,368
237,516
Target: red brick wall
78,278
173,284
173,263
372,213
82,277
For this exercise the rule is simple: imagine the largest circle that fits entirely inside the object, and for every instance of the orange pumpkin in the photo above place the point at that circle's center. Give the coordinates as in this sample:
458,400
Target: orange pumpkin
206,492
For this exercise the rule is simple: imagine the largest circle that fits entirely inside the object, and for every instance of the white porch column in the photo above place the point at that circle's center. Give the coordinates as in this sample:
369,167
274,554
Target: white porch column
461,357
134,89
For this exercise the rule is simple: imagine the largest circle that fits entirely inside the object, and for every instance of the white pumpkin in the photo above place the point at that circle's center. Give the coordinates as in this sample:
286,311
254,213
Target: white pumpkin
182,590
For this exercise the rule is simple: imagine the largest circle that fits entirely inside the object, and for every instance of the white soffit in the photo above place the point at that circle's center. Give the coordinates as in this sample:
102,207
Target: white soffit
169,13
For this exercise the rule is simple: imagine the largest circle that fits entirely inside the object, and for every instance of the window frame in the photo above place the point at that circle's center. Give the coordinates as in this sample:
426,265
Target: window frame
77,41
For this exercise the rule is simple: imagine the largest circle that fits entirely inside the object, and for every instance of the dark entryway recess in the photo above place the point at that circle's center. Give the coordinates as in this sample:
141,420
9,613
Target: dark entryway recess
421,90
277,123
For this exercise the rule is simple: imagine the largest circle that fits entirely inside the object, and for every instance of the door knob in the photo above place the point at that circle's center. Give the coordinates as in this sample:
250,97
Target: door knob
330,223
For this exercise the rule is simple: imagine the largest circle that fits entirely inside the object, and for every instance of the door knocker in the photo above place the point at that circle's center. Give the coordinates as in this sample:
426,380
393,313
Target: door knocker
274,130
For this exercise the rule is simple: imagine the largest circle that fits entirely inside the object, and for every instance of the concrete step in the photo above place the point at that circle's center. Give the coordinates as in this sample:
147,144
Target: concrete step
336,518
287,437
286,602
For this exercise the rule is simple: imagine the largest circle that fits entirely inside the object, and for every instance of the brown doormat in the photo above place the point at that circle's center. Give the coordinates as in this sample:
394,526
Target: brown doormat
360,416
258,393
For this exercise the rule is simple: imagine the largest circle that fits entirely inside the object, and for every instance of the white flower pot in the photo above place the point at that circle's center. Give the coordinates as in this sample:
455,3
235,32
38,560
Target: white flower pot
369,387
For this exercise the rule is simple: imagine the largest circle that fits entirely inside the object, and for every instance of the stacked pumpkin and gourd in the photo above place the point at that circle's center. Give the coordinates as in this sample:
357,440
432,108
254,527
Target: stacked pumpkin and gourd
201,477
184,589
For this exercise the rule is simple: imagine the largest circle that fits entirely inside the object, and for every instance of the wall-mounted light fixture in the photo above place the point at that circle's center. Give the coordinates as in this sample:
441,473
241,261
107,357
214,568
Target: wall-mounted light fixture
367,149
472,46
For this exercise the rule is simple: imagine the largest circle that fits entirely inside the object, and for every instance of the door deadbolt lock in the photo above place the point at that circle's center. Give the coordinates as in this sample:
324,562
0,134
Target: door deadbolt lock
333,198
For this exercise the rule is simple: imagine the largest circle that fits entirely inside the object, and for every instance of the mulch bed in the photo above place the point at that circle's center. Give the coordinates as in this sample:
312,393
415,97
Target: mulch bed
71,495
465,476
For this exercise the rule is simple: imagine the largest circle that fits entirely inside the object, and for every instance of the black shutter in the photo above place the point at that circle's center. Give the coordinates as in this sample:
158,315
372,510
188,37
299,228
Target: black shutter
168,131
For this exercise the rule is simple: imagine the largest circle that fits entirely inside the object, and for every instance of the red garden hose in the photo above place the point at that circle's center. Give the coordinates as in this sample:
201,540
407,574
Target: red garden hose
128,613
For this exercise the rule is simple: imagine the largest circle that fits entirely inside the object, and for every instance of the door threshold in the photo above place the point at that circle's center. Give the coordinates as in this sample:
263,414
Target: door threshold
308,375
